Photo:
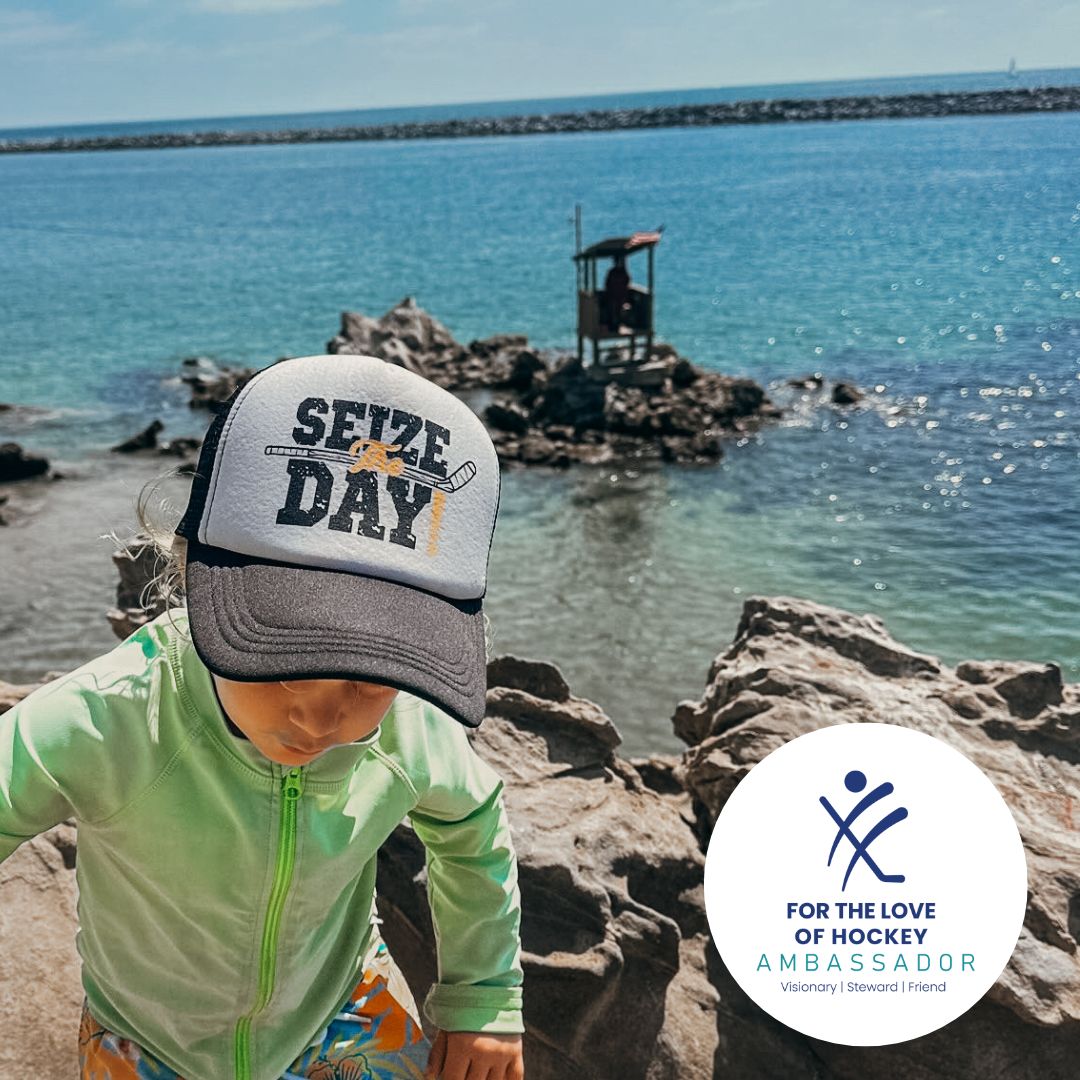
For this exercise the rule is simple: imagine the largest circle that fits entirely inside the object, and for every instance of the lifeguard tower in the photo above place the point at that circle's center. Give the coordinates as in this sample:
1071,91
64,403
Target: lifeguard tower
618,321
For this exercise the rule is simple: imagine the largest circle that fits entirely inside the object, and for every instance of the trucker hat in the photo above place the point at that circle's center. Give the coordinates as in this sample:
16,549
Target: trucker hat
339,526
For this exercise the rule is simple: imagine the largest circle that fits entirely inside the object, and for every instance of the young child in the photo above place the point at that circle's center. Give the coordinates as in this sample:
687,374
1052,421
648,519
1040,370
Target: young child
235,767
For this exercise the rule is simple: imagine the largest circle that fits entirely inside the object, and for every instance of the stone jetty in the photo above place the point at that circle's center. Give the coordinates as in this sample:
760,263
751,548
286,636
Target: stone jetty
769,111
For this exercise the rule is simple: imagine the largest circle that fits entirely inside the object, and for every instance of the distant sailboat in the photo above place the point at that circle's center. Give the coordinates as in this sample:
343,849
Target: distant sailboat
1012,68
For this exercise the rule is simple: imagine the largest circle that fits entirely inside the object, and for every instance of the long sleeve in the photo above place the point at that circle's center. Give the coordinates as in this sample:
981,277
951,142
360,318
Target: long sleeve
32,799
54,758
472,891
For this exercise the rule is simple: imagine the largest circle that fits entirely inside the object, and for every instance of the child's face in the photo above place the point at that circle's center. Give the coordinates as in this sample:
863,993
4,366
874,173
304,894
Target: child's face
294,722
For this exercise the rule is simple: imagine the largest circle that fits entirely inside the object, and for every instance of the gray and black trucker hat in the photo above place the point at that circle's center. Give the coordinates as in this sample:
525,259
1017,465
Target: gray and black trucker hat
339,526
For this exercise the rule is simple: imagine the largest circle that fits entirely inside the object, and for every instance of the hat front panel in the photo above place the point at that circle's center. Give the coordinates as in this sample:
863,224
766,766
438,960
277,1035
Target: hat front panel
351,463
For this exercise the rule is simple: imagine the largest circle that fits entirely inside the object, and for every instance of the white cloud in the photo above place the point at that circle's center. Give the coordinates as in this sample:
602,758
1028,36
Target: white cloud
260,7
33,28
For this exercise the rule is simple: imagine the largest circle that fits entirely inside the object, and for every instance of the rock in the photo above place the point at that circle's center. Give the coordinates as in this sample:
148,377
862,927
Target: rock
507,416
795,666
1012,99
534,677
614,936
807,382
40,986
211,385
11,694
681,414
17,464
184,446
139,597
409,336
499,343
526,366
145,440
845,393
683,373
611,870
1026,688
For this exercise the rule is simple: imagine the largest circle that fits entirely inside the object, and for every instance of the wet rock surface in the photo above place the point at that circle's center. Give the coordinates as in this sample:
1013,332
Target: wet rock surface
19,464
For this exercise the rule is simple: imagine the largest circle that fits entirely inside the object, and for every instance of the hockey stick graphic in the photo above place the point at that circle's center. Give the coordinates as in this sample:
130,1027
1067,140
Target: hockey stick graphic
454,482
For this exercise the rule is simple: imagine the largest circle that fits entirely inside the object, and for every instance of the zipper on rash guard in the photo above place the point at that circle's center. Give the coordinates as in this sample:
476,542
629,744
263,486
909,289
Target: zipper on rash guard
292,787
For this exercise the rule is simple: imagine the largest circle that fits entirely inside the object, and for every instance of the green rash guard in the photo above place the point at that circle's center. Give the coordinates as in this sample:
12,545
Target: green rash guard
227,903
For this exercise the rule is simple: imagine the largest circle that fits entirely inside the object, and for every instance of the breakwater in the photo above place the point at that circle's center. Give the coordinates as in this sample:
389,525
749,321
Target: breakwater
777,110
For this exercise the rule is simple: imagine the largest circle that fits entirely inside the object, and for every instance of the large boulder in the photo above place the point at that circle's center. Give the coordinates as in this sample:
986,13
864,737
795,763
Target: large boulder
614,936
40,981
796,666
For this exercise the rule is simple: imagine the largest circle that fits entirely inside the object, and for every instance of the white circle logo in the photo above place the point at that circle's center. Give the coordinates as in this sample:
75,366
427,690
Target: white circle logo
865,884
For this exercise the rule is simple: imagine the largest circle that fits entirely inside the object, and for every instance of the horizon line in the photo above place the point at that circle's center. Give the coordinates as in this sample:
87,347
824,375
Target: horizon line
512,101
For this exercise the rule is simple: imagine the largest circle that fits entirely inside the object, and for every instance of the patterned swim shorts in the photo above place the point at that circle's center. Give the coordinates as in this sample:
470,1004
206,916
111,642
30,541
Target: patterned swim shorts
376,1036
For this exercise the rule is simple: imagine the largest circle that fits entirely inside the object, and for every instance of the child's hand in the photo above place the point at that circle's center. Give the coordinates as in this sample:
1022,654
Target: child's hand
456,1054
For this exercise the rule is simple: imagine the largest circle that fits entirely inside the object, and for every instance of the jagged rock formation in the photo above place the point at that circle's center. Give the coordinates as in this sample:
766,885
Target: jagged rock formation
622,978
547,409
795,666
614,936
551,410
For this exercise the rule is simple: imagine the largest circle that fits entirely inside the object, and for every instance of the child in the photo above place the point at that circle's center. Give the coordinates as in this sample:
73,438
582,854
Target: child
235,768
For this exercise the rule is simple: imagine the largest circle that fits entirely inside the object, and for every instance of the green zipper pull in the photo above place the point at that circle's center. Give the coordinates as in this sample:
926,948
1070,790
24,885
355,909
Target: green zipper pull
293,783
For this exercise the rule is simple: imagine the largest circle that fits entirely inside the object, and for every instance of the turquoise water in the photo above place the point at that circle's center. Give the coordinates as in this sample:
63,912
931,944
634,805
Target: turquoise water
935,260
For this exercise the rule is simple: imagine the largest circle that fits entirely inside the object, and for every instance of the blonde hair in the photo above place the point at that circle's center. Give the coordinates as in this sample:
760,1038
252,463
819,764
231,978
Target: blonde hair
158,518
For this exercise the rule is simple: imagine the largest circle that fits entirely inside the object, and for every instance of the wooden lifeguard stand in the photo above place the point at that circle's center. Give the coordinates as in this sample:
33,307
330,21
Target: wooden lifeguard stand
619,339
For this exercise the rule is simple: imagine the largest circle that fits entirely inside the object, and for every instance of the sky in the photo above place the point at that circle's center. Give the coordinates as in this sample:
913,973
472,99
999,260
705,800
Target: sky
82,61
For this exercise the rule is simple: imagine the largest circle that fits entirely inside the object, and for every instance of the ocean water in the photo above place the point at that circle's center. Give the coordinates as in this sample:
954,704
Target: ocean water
910,84
935,263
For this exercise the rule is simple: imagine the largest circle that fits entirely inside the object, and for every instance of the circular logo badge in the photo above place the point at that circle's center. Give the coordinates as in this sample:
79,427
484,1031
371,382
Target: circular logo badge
865,884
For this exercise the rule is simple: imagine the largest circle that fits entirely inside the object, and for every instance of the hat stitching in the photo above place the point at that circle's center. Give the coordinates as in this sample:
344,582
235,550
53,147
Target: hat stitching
375,646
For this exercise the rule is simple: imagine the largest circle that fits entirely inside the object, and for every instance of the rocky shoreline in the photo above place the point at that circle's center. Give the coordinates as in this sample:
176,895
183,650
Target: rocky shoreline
770,111
548,409
611,861
540,406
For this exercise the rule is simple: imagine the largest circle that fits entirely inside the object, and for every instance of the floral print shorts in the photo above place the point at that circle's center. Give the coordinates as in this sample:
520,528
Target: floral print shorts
376,1036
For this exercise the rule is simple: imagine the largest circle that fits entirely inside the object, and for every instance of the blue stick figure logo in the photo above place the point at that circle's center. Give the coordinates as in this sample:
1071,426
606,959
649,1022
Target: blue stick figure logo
855,781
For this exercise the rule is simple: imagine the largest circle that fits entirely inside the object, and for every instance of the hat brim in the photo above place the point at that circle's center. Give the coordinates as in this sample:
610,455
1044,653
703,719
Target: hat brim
253,620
